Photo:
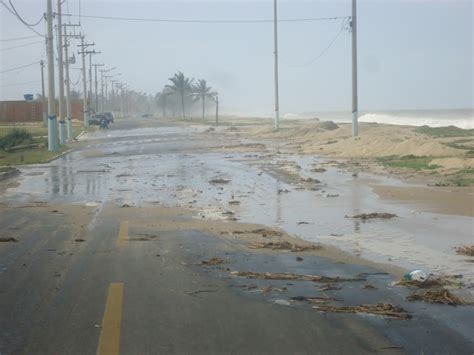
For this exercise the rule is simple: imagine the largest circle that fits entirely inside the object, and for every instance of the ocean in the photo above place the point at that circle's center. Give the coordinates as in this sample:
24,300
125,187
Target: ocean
462,118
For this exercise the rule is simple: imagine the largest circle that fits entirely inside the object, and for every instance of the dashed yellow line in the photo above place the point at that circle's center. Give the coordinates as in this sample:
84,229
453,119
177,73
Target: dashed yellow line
123,234
109,342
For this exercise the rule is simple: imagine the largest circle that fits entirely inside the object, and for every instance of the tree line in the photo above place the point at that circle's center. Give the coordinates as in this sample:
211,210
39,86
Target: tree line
183,94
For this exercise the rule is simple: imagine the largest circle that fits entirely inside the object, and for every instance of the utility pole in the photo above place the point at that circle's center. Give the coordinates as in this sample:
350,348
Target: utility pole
217,110
52,122
68,82
84,79
355,109
275,31
62,127
43,97
96,84
90,76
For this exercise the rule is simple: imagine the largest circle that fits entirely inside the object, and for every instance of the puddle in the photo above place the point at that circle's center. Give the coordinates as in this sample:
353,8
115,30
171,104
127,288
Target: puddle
144,166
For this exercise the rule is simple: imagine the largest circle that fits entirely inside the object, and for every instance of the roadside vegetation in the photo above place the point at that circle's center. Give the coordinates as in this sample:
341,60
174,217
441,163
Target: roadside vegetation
449,131
15,137
408,162
27,145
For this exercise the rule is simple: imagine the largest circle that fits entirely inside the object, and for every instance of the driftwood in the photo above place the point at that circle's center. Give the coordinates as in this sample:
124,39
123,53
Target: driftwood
365,216
442,296
465,250
212,261
283,246
290,276
382,309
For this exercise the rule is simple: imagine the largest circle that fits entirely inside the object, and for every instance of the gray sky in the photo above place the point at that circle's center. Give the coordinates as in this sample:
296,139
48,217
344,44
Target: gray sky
412,54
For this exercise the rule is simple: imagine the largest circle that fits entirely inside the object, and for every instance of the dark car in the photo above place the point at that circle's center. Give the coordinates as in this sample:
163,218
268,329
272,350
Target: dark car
147,115
94,120
109,116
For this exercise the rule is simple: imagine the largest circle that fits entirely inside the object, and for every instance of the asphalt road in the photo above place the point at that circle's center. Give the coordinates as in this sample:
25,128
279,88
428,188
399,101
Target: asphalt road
110,279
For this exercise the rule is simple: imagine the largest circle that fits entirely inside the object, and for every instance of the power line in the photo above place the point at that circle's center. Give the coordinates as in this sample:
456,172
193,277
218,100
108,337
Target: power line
17,38
20,46
20,67
21,20
24,83
308,19
343,26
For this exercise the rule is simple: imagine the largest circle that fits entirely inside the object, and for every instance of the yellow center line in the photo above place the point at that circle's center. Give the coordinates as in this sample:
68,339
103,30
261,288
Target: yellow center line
109,342
123,234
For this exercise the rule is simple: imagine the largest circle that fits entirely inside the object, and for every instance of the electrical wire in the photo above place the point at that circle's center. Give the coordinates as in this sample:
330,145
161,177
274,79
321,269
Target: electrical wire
24,83
21,20
312,61
78,78
17,38
20,46
308,19
20,67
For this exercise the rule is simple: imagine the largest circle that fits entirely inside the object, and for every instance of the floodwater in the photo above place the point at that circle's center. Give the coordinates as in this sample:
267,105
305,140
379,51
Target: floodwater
174,166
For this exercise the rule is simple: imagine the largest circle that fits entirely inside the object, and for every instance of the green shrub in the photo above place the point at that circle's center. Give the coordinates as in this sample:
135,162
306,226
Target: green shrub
408,161
449,131
15,137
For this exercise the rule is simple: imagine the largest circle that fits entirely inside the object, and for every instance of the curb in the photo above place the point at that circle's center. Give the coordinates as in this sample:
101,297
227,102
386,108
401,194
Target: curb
57,156
80,135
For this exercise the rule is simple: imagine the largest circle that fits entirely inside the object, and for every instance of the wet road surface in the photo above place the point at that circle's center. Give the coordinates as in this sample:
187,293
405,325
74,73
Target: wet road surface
105,264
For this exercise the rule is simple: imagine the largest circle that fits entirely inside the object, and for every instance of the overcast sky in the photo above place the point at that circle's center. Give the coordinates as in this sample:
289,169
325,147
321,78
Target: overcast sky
412,54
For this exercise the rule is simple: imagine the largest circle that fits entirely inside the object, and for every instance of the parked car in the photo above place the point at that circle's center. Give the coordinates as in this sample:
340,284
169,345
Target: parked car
147,115
94,120
109,116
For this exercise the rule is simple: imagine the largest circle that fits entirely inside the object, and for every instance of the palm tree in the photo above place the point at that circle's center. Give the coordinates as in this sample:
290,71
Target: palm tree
182,86
202,92
162,100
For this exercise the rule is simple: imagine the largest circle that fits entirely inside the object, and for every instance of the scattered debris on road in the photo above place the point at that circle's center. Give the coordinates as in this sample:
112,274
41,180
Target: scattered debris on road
212,261
219,181
199,291
330,287
382,309
373,215
314,299
266,290
290,276
264,232
432,282
8,239
465,250
284,246
442,296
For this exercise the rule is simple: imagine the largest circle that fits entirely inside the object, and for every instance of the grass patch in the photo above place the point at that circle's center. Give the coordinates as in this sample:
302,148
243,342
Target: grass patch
408,162
449,131
33,130
30,156
14,137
